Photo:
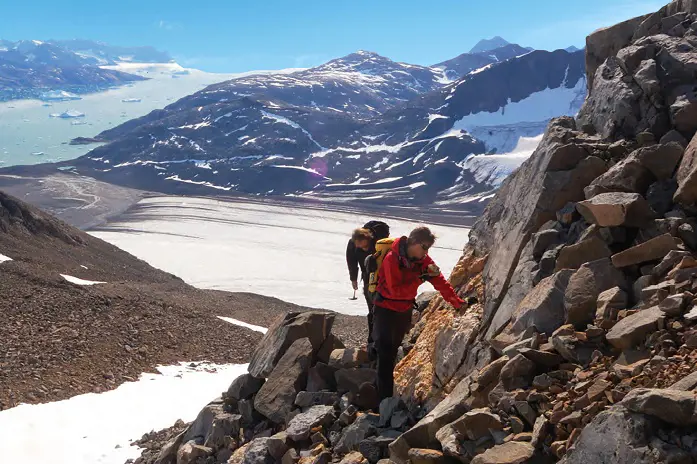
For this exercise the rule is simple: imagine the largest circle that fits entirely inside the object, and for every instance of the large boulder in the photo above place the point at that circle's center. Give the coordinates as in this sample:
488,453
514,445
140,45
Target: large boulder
661,159
211,425
244,387
672,406
616,209
633,329
315,326
276,397
636,172
543,307
517,373
585,285
477,423
573,256
629,175
615,436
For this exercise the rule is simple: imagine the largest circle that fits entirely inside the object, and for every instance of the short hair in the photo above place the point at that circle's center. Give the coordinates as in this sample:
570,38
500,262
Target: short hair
362,234
422,235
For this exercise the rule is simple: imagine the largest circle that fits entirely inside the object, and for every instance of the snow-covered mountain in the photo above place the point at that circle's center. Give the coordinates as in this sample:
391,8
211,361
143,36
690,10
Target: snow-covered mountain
468,62
359,127
30,68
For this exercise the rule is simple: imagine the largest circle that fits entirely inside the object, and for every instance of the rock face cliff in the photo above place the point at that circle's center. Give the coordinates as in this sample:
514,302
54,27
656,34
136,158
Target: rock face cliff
584,264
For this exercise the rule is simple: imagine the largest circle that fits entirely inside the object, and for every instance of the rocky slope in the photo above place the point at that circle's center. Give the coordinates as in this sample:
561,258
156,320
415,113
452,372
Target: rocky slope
583,345
34,69
359,128
59,339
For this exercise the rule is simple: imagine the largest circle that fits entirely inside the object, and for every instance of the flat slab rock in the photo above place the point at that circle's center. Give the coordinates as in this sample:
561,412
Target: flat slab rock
633,329
509,453
650,250
616,209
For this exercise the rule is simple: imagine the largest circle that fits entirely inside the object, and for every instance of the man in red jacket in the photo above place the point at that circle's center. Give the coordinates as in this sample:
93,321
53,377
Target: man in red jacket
403,270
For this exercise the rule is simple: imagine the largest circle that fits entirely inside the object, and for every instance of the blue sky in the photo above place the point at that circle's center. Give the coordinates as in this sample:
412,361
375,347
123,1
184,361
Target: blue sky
241,35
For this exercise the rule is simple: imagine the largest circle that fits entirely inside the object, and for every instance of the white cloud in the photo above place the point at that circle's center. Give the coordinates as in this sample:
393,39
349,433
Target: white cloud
168,25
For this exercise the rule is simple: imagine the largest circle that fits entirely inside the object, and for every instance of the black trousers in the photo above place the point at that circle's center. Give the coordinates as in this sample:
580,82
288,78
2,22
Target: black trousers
369,302
389,329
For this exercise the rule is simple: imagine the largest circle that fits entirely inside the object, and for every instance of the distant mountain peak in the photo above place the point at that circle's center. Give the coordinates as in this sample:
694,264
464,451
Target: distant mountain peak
360,60
486,45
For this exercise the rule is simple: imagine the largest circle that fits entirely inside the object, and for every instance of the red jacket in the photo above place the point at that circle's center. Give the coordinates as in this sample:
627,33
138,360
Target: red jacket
399,280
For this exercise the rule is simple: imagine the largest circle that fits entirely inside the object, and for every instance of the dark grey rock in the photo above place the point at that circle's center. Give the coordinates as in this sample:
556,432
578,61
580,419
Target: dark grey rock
375,448
585,285
321,377
364,427
300,426
543,240
244,387
517,373
660,196
276,397
314,326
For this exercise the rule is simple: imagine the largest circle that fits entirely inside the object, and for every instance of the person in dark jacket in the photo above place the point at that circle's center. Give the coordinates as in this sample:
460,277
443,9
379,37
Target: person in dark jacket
404,269
361,245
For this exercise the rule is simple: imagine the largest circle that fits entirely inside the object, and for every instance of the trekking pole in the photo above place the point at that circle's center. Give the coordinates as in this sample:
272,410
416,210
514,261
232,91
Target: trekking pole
354,296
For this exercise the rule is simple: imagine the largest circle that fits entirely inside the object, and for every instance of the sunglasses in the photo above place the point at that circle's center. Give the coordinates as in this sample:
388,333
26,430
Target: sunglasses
425,247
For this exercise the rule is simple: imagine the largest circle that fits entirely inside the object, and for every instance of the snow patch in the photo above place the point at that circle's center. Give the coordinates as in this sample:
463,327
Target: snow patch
99,428
538,106
493,169
78,281
203,183
294,125
255,328
4,258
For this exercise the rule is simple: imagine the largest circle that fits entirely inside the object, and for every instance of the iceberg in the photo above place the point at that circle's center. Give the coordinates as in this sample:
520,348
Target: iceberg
59,95
131,100
68,114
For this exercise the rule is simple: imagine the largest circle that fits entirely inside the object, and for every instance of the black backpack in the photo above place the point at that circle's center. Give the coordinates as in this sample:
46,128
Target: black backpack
380,229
